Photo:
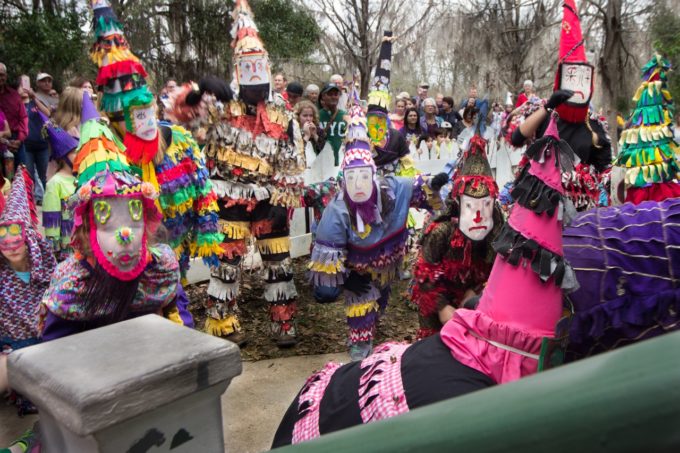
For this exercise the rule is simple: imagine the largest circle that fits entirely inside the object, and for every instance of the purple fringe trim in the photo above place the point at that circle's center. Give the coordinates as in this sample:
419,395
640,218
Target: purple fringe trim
66,227
363,322
51,219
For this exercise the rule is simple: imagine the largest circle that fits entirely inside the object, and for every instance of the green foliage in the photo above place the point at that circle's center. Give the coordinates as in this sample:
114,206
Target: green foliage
35,42
666,34
288,31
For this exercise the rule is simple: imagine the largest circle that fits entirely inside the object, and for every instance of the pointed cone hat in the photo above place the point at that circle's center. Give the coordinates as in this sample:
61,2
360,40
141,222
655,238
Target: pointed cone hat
61,143
89,111
20,206
647,145
573,70
357,144
379,91
121,76
474,177
251,60
522,302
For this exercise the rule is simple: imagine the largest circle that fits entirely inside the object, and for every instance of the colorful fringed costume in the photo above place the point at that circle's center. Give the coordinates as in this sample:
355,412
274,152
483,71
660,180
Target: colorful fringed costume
499,342
256,158
366,241
648,149
162,154
627,261
450,263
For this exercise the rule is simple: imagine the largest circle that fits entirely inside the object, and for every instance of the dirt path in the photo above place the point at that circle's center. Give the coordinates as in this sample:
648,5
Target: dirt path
322,327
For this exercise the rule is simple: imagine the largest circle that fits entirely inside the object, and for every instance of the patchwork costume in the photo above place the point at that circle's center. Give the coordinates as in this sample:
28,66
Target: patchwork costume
256,160
499,342
449,262
164,155
21,292
365,242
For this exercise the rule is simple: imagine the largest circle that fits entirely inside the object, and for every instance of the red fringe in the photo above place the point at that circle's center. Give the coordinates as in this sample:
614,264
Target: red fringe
283,313
118,69
655,192
260,227
260,124
234,249
184,167
138,150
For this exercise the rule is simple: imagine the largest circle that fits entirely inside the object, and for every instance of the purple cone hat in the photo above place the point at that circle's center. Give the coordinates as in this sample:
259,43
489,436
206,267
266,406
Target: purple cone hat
89,110
61,143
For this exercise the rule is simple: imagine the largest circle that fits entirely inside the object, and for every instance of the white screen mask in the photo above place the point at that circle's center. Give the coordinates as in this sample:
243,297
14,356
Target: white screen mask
476,217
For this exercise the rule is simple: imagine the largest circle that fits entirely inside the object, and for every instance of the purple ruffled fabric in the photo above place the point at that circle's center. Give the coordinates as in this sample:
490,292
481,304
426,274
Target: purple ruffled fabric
51,219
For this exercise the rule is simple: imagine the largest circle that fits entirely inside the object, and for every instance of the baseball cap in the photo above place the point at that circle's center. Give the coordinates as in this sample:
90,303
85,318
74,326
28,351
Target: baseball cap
329,87
42,75
295,88
445,125
423,85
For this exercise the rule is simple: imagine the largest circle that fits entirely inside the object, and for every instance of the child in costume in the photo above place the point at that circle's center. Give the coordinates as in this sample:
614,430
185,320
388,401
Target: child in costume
257,159
165,156
57,217
648,148
455,257
499,342
26,264
361,238
586,135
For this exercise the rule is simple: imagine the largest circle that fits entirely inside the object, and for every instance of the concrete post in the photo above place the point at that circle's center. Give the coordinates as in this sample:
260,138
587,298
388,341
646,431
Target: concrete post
141,385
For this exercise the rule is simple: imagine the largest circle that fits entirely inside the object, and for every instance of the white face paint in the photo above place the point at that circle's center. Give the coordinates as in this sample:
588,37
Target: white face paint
476,216
359,183
144,121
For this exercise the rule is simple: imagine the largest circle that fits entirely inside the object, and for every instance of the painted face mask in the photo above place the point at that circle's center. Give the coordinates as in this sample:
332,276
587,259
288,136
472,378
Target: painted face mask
359,183
476,217
577,77
117,236
11,237
144,122
377,127
253,70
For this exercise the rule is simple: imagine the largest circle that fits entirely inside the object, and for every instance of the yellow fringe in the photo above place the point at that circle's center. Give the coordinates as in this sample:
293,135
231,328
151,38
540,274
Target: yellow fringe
149,175
212,207
105,57
177,209
172,313
274,245
250,163
235,230
222,327
331,268
355,311
206,250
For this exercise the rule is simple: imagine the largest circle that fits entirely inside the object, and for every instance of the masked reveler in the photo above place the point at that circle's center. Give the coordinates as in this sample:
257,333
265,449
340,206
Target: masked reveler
585,133
390,149
116,270
361,238
499,342
165,156
26,264
455,257
256,160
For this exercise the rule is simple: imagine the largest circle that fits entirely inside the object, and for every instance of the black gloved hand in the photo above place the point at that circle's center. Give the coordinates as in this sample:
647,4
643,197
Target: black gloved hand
438,181
558,98
357,283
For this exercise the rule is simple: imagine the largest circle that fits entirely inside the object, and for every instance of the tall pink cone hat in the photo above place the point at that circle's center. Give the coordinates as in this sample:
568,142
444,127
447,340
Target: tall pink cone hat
573,70
522,301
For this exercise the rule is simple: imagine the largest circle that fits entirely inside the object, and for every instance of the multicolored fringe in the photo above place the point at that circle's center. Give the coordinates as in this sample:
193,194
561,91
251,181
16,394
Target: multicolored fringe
382,260
327,265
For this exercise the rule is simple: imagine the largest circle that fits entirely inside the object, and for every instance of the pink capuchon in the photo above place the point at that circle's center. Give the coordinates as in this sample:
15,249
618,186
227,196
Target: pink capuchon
522,301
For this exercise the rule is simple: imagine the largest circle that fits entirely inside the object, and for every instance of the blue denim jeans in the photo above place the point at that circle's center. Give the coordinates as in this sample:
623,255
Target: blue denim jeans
36,161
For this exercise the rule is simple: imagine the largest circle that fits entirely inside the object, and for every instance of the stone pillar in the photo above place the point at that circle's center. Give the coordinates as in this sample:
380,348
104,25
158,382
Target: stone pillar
141,385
